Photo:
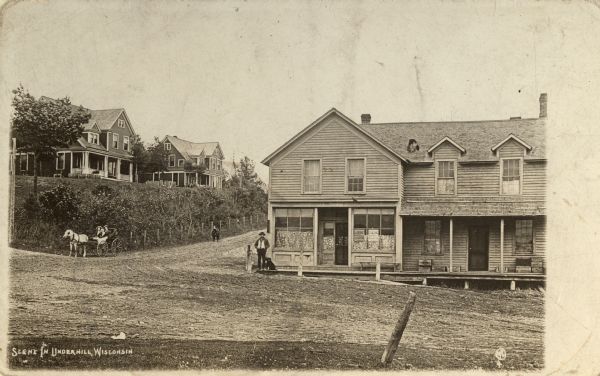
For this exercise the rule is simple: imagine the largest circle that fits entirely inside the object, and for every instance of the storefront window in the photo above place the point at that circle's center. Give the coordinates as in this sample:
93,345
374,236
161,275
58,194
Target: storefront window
373,230
294,229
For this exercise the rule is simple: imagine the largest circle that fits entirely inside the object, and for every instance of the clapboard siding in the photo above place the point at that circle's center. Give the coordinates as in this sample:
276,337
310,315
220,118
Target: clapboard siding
511,149
474,180
414,232
333,141
446,151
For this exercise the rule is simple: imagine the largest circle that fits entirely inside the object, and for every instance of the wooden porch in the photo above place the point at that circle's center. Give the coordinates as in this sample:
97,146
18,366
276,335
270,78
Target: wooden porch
412,277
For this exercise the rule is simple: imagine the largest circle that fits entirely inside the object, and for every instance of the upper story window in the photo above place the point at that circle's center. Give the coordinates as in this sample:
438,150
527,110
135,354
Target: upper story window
167,146
126,143
355,175
445,177
207,162
524,236
121,123
219,164
197,161
432,238
172,160
115,141
510,176
93,138
311,175
180,163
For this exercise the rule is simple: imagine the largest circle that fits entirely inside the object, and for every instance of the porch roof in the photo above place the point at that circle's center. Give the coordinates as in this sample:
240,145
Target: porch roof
440,208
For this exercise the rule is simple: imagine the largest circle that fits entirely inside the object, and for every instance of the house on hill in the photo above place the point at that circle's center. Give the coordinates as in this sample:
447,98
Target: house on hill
104,150
192,163
458,196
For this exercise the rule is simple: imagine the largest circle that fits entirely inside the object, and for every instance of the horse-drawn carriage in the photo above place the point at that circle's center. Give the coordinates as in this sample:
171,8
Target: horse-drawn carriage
109,244
107,241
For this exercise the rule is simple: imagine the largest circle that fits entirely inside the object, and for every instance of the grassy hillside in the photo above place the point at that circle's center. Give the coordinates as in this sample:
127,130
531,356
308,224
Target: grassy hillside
145,215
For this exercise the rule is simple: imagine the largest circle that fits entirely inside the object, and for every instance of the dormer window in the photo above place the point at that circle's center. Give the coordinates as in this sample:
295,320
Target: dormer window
167,146
93,138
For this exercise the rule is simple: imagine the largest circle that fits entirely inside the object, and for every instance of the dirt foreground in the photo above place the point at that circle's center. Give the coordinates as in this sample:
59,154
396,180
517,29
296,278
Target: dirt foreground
194,307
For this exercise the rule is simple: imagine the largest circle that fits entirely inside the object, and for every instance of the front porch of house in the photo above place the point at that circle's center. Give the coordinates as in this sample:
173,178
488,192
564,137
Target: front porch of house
187,179
356,239
90,164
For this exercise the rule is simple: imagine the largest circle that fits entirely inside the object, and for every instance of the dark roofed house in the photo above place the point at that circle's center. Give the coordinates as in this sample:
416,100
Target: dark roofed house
437,197
182,153
104,149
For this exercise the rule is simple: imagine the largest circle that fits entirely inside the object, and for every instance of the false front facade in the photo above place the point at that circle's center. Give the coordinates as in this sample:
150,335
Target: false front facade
443,196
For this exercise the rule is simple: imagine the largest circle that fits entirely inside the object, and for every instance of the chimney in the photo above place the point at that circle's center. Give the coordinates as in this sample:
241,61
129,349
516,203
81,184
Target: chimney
543,105
365,118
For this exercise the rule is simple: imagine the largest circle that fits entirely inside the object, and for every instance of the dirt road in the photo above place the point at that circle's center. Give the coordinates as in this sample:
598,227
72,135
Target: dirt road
200,292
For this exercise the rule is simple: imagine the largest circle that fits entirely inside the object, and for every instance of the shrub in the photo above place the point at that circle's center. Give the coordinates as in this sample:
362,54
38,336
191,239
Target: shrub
59,204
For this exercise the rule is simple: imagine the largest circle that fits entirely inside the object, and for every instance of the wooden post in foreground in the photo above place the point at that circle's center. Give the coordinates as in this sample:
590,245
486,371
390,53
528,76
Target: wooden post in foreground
392,346
378,272
249,259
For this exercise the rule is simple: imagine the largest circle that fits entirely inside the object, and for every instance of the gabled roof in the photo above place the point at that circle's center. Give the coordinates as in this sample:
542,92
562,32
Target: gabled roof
194,149
100,119
446,139
476,137
515,138
333,110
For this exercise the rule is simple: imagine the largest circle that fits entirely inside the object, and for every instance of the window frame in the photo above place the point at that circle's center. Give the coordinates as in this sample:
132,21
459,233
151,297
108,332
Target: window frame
169,160
64,160
121,123
21,161
520,159
424,249
520,252
320,176
180,162
126,142
167,146
115,139
437,168
346,176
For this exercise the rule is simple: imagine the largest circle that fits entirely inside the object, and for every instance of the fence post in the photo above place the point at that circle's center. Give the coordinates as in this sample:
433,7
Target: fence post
249,259
220,224
144,238
378,271
250,220
228,222
203,227
392,346
157,236
244,221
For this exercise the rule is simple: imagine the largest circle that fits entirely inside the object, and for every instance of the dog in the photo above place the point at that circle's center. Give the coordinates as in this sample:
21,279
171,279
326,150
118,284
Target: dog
269,264
75,240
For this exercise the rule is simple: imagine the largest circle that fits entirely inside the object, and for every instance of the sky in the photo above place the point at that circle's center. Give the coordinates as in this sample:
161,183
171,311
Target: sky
251,74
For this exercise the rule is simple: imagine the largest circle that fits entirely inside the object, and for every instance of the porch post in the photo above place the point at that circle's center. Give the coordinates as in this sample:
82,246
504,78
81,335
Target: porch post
398,232
350,229
118,168
131,171
106,166
70,171
86,162
315,233
501,245
197,182
451,238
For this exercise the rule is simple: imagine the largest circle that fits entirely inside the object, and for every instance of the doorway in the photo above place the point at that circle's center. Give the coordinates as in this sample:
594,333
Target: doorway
479,241
341,243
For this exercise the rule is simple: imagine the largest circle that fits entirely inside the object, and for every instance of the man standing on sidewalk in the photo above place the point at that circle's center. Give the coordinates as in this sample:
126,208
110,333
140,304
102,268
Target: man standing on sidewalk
261,245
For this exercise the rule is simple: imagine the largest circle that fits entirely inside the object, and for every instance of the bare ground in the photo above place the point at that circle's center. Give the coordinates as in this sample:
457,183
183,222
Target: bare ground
193,306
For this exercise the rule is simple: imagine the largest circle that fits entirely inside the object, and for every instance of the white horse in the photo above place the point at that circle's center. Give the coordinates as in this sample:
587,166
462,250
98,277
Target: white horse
75,240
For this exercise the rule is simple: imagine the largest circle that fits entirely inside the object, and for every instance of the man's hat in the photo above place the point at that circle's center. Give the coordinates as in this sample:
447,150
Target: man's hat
261,233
